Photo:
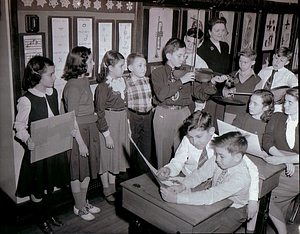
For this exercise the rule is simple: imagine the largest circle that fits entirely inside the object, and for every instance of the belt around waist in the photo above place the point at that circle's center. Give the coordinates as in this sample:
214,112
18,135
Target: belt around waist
112,109
173,107
140,113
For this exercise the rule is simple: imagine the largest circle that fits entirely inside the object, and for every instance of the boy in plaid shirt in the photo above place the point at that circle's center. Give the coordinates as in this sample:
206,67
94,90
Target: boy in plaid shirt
140,113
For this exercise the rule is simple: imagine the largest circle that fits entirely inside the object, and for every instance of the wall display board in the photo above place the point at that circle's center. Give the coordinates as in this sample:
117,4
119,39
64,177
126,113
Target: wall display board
286,30
229,16
106,29
60,42
60,45
248,30
84,32
270,32
124,35
31,45
193,16
160,31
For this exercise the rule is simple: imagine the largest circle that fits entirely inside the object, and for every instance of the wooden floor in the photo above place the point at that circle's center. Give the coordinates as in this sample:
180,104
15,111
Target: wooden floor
111,220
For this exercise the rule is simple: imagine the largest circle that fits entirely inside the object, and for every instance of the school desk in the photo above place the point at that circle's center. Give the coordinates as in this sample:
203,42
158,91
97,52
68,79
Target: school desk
141,197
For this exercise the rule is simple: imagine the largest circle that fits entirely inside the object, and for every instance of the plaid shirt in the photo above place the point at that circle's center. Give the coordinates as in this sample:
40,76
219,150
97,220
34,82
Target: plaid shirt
139,94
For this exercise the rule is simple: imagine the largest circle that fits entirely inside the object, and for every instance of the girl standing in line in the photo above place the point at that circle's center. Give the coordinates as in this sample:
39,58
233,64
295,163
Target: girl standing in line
38,179
110,103
84,157
261,107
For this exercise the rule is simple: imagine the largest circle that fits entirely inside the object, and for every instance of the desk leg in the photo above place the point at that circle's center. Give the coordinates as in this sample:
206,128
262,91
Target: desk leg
263,214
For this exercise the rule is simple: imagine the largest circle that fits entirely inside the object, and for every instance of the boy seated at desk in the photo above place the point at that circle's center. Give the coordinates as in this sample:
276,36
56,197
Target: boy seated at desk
196,148
230,179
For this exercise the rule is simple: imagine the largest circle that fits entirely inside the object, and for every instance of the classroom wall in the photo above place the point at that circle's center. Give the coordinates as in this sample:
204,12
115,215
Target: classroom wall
7,144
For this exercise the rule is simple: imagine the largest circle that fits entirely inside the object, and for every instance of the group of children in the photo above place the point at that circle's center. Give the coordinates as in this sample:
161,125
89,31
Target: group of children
123,108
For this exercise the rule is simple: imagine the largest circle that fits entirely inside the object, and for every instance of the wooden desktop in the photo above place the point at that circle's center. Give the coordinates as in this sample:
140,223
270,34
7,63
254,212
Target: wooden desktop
141,196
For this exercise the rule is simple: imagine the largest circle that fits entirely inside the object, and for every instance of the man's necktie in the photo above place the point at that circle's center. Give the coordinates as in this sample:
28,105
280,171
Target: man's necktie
221,177
203,158
270,80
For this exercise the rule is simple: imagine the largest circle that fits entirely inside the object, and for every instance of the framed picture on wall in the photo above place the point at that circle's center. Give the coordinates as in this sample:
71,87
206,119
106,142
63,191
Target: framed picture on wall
286,30
59,43
84,33
124,37
229,17
248,30
31,44
160,31
106,38
270,32
59,46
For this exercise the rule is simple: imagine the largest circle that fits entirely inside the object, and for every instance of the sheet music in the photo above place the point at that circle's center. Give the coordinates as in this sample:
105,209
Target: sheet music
253,141
172,181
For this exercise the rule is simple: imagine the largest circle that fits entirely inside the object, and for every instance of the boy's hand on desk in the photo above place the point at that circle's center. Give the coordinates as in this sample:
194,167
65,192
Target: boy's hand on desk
252,208
190,76
290,169
275,160
163,173
168,195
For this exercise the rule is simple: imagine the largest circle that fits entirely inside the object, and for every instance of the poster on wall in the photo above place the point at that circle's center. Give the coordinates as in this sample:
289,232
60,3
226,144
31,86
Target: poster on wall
270,32
160,31
85,32
286,30
248,30
229,17
193,17
105,39
33,45
124,36
60,36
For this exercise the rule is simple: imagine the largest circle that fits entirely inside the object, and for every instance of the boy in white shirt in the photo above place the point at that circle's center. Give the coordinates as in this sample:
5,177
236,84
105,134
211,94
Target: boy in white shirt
190,155
277,75
230,179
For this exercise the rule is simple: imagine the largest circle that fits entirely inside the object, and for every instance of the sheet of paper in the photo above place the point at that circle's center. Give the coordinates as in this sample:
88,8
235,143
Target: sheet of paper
253,141
170,182
52,136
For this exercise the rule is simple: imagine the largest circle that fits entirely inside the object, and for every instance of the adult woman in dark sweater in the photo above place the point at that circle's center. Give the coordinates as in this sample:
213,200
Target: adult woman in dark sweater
282,133
215,53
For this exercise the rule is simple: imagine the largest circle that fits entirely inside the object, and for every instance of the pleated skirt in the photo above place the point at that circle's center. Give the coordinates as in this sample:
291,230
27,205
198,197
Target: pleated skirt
115,160
82,167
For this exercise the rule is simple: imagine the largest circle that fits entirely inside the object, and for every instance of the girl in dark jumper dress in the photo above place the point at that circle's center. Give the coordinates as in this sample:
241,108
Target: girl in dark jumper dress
39,178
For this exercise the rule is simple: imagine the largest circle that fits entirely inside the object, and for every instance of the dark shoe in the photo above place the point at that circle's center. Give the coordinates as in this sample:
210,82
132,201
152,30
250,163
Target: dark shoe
56,222
46,228
110,199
